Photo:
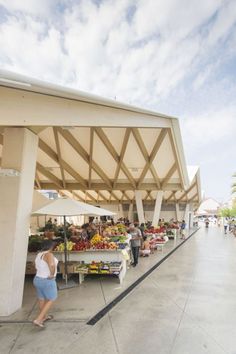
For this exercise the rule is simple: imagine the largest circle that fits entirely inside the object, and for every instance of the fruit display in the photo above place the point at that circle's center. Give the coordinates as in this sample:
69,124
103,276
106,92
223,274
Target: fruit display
117,230
97,243
104,245
76,244
96,239
81,268
61,246
101,268
157,230
81,246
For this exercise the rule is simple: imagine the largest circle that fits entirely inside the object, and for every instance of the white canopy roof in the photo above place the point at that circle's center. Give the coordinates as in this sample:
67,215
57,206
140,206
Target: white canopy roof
94,149
70,207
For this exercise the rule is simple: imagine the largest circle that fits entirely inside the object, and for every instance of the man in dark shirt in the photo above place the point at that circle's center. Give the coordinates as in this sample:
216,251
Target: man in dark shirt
135,241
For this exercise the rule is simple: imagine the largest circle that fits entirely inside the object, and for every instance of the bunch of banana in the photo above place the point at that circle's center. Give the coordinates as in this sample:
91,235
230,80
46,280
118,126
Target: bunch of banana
96,239
61,247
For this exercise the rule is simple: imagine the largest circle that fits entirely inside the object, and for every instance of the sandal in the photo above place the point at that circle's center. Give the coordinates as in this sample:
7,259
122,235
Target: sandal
39,324
48,318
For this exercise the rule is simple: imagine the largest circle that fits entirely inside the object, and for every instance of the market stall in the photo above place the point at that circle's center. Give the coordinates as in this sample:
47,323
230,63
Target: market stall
102,254
106,262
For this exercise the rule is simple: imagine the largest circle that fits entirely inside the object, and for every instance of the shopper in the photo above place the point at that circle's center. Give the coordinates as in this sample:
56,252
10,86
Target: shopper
182,229
44,282
142,229
225,226
145,249
84,234
135,241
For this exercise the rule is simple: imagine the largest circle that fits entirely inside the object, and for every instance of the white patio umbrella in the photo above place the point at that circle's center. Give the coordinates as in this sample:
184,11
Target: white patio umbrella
70,207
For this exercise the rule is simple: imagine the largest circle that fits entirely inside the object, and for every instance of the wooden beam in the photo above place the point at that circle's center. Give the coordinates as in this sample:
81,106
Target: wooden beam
83,153
157,145
74,174
50,176
103,186
37,180
176,157
91,155
103,196
169,175
122,154
147,195
126,195
59,155
170,196
48,150
114,154
191,199
147,202
187,191
37,129
52,154
145,154
89,195
114,195
152,156
77,196
1,139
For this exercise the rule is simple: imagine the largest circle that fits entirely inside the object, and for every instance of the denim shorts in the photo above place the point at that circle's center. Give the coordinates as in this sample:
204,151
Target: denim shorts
46,288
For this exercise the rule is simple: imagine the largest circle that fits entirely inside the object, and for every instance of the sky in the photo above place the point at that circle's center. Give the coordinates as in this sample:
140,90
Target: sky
177,57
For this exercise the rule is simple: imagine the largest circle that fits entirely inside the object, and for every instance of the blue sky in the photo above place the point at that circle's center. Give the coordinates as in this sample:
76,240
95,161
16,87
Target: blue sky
177,57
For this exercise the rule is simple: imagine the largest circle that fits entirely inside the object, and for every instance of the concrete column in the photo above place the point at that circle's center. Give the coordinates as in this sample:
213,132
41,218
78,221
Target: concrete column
191,215
121,211
157,209
178,216
131,212
186,215
139,206
16,195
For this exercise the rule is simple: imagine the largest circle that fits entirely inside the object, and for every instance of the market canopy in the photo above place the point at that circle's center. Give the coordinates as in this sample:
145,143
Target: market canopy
94,149
70,207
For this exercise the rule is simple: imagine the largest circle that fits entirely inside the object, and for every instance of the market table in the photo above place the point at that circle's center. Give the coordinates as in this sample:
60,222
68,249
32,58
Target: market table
160,245
90,256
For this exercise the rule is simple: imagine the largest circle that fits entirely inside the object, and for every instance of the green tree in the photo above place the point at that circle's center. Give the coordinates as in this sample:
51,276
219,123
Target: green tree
234,184
227,212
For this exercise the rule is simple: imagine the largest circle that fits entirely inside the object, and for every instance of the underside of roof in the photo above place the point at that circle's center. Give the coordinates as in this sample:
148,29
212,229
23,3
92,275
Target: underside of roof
95,157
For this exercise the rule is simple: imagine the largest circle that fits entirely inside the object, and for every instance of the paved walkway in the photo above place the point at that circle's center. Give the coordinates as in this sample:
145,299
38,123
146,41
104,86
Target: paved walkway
186,306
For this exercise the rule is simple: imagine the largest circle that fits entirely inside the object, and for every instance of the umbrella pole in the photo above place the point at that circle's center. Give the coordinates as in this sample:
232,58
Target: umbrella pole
65,249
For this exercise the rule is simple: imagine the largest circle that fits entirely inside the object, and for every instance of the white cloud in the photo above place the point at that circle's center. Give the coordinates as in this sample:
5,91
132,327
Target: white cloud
214,126
33,7
224,21
167,55
173,18
136,60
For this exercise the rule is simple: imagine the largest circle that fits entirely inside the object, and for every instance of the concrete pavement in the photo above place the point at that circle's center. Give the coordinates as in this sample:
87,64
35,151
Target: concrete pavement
186,306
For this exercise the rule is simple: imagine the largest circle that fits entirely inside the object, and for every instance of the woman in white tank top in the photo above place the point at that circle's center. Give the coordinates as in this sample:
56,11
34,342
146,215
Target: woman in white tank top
44,281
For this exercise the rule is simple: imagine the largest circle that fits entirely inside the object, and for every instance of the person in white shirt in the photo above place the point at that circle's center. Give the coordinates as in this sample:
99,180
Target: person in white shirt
226,224
45,282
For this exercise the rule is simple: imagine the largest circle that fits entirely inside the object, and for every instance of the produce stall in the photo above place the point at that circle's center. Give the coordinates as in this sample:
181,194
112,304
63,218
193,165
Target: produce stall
110,262
100,255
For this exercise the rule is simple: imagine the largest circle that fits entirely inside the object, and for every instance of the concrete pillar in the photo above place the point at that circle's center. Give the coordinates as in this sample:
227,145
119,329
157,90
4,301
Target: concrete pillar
121,211
157,209
139,206
16,195
131,212
191,215
186,215
178,216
